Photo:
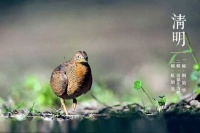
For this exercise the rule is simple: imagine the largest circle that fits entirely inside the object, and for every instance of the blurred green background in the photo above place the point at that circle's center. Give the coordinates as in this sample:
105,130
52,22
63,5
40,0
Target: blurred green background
125,41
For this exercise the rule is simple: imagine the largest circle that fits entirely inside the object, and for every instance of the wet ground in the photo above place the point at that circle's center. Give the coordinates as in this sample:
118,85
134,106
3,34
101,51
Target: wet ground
180,117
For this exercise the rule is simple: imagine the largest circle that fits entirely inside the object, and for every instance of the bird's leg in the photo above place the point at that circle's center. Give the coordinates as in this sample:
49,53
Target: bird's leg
74,103
64,106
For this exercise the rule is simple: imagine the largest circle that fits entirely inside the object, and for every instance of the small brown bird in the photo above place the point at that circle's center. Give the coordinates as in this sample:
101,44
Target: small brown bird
72,79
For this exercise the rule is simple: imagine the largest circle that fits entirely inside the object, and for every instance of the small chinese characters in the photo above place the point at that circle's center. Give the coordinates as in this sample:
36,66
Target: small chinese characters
178,26
178,76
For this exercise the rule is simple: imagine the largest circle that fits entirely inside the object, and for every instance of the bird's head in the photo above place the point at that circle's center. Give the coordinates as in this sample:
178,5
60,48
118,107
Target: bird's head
81,56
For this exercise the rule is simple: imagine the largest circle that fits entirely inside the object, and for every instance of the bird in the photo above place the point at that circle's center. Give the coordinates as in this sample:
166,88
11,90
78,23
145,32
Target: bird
71,79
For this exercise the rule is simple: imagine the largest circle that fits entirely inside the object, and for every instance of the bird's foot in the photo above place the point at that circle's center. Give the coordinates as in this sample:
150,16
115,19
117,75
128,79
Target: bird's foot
74,103
64,106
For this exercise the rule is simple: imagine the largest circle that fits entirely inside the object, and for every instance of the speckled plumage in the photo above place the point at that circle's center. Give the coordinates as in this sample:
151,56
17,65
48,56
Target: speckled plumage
72,78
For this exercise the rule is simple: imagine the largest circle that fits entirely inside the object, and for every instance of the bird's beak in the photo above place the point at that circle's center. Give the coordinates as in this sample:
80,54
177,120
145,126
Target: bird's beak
83,60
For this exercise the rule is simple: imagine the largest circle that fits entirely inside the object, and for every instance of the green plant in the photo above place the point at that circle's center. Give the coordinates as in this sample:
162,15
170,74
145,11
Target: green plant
195,77
32,89
138,85
6,109
190,50
19,105
161,101
102,94
195,74
32,109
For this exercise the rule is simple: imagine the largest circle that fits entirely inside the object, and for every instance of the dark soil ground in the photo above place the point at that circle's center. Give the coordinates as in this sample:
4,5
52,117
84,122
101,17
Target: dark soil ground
183,117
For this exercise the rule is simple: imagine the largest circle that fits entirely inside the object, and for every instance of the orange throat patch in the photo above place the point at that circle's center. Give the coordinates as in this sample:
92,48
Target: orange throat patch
81,70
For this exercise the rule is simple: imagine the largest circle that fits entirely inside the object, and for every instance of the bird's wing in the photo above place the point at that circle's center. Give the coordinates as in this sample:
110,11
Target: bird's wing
89,84
59,80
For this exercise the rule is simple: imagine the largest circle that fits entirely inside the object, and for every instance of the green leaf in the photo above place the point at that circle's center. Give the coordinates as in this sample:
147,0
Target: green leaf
19,105
187,51
173,58
162,100
174,55
32,82
194,76
196,67
197,91
32,109
161,96
137,85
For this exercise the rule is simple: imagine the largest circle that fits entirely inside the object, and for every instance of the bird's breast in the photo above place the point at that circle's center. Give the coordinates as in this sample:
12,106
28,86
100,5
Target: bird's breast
77,79
81,72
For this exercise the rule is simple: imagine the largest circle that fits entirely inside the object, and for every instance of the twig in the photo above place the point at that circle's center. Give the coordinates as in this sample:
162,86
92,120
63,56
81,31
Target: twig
190,47
149,98
99,100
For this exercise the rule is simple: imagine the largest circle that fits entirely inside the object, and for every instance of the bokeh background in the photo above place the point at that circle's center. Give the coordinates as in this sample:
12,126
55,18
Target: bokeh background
125,41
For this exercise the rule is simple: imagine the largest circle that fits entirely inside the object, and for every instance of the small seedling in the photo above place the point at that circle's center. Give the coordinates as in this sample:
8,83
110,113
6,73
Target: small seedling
6,109
161,101
138,85
32,109
19,105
